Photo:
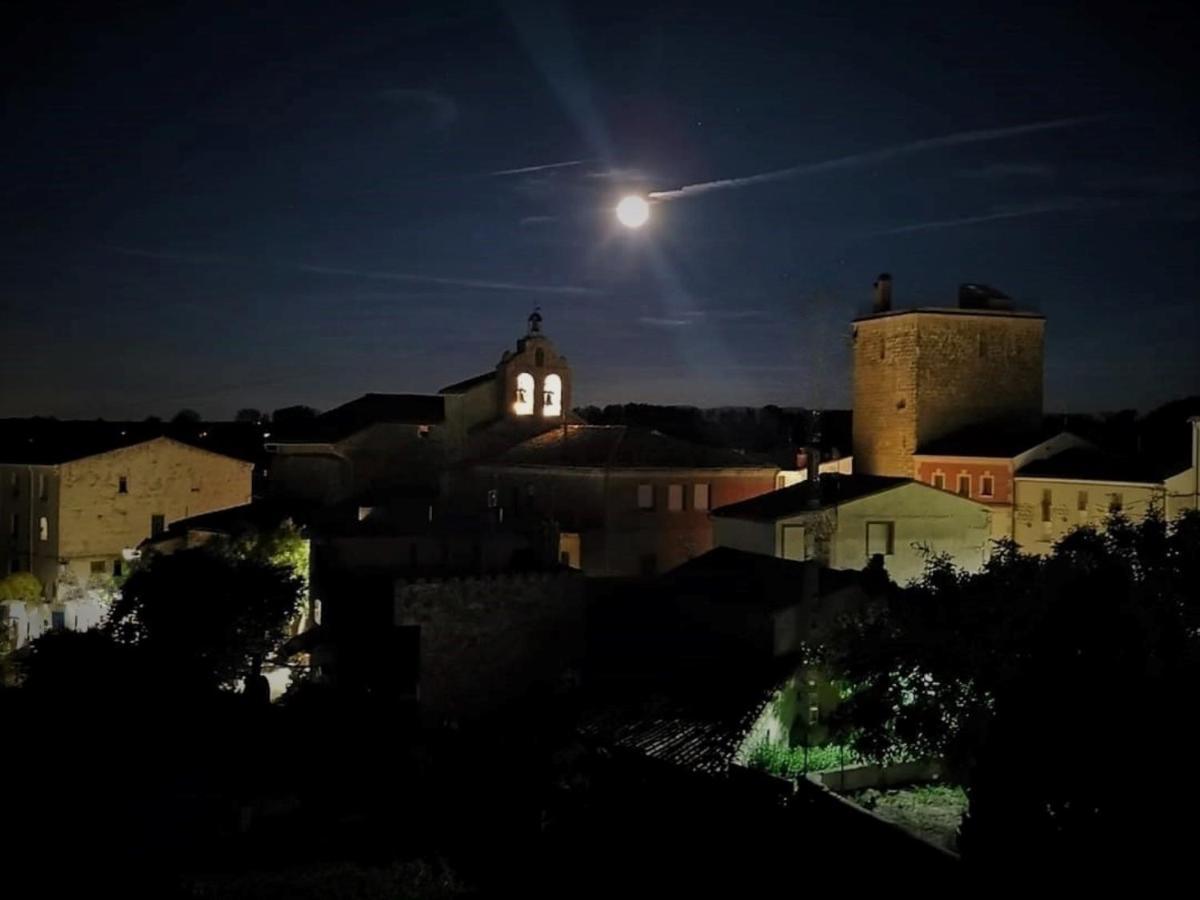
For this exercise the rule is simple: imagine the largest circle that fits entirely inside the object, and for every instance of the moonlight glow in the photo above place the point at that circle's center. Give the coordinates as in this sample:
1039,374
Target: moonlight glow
633,211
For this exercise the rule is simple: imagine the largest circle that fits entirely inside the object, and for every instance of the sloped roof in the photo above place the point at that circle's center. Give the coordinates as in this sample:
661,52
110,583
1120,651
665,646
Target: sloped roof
755,579
991,441
52,442
362,412
620,446
461,387
1084,464
789,501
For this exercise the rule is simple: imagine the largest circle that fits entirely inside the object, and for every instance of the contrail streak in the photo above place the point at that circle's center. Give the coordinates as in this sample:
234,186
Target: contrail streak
874,156
525,169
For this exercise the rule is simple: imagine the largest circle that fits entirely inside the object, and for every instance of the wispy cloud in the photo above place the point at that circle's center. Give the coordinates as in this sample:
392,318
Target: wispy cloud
437,110
1070,204
620,173
855,160
525,170
471,283
997,171
538,220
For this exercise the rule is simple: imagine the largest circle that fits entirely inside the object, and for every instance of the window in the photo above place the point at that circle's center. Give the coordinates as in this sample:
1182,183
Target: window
493,498
117,568
97,567
41,485
1116,502
987,486
523,402
122,485
1081,502
939,480
552,396
879,538
964,485
423,431
700,496
14,527
814,715
645,496
675,497
158,524
43,529
1047,502
58,620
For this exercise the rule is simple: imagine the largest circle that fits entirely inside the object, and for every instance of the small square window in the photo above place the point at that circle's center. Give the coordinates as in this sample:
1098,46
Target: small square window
700,496
939,481
675,497
97,567
987,486
964,485
122,485
645,496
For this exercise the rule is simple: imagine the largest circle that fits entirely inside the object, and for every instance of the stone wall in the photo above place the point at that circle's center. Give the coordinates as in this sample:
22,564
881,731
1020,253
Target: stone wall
488,642
1035,534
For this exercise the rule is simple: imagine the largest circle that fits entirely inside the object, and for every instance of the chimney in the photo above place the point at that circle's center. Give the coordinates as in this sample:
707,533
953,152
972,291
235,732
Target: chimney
883,293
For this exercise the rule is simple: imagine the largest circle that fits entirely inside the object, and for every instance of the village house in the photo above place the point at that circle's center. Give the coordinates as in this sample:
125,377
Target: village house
842,521
78,500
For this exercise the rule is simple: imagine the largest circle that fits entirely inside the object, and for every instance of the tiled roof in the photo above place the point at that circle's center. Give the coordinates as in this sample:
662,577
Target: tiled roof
992,441
460,387
620,446
789,501
51,441
1083,464
367,410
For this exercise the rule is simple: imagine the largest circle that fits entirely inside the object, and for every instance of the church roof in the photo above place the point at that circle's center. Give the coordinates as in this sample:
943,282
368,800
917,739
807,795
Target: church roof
790,501
365,411
990,441
461,387
620,446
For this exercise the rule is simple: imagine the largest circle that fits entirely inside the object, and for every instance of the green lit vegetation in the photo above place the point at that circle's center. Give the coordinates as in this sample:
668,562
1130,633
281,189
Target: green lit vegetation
20,586
790,762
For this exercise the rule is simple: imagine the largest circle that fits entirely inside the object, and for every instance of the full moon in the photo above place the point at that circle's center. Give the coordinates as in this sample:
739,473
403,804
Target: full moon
633,211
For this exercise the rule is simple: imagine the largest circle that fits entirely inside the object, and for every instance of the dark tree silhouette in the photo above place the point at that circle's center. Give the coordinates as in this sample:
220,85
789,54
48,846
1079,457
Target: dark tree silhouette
186,416
1038,679
209,619
253,416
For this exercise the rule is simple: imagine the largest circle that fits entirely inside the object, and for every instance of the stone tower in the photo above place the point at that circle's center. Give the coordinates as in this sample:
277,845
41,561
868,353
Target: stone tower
535,381
921,374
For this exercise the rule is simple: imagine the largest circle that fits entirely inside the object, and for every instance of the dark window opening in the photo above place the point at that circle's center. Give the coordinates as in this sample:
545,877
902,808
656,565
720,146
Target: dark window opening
122,485
158,524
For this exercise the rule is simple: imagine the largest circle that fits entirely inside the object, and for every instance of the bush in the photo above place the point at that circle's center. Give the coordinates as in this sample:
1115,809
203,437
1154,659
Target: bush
22,586
790,762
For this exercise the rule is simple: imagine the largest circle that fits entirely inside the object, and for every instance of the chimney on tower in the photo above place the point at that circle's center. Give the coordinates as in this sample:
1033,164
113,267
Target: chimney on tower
883,293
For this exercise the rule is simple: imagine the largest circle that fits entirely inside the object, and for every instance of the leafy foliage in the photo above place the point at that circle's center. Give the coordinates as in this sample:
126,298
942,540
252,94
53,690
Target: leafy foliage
1099,640
20,586
789,762
211,618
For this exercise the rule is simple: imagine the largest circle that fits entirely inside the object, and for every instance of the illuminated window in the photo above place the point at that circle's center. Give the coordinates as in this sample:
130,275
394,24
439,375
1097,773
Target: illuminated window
552,396
987,486
645,496
423,431
1047,503
523,403
939,481
1081,502
122,485
700,496
880,537
675,497
814,715
44,528
964,485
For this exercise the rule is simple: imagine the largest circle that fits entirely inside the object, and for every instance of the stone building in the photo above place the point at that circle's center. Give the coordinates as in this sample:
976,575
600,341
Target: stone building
626,501
841,521
76,507
921,374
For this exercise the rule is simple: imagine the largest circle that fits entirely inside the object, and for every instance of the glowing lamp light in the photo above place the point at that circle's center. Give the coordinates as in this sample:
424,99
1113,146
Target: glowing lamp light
633,211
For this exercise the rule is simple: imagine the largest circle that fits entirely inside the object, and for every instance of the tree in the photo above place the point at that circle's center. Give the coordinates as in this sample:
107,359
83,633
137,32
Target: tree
186,417
292,414
1034,678
253,416
210,618
20,586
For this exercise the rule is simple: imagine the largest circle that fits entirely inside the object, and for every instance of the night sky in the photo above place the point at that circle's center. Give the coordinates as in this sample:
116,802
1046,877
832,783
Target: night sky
216,206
